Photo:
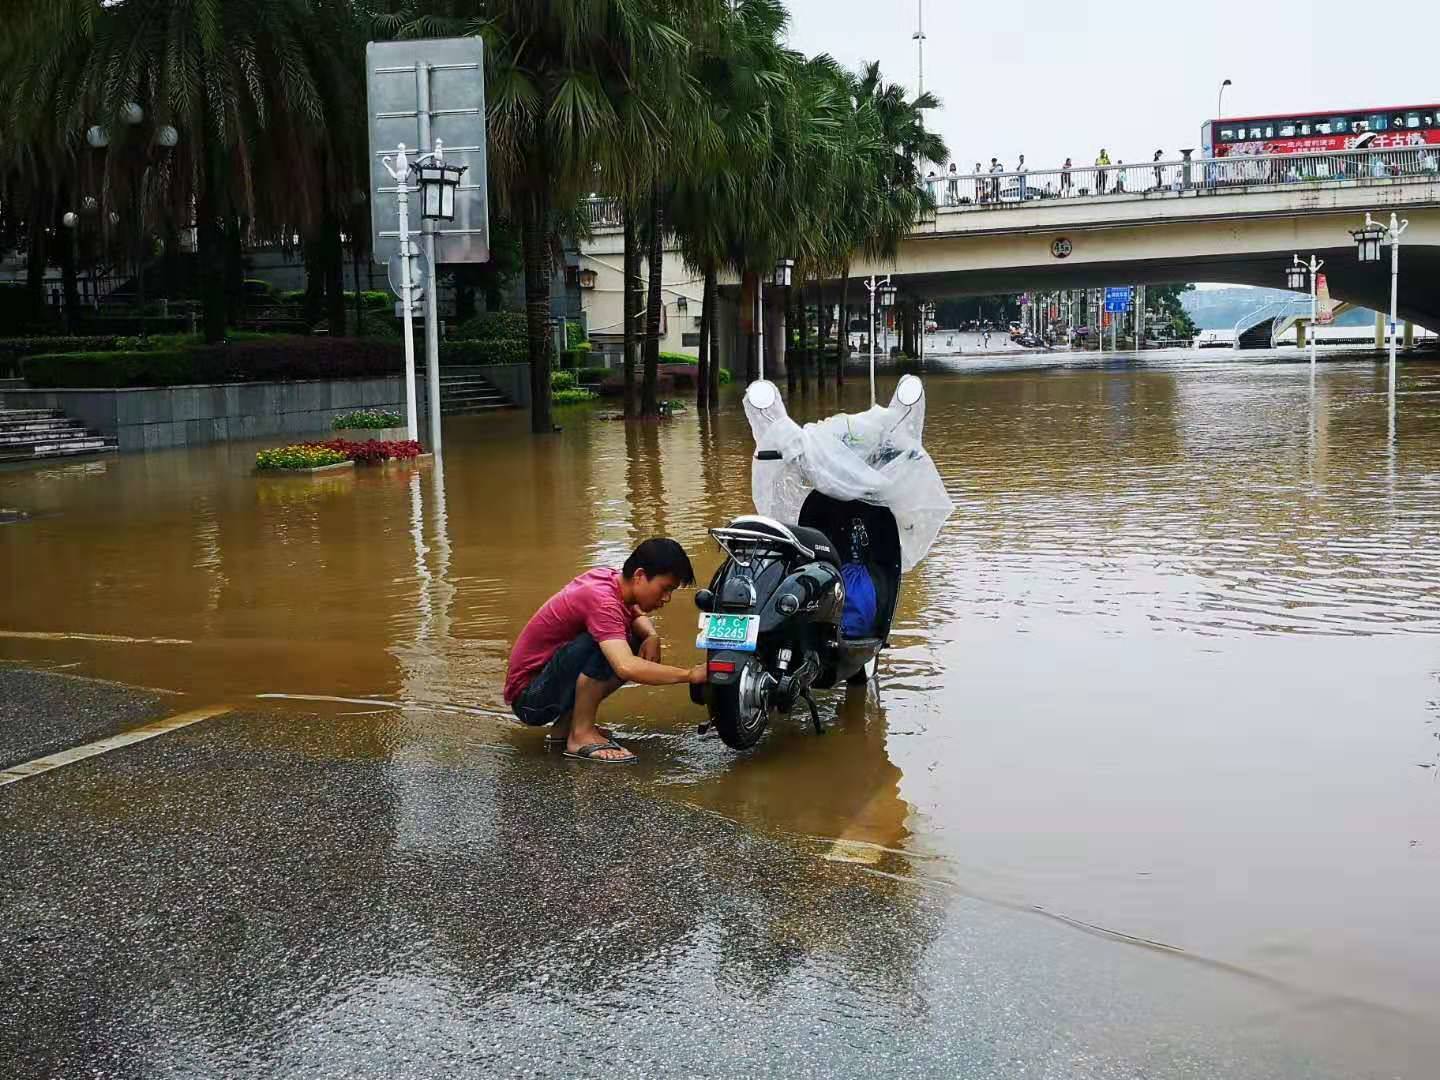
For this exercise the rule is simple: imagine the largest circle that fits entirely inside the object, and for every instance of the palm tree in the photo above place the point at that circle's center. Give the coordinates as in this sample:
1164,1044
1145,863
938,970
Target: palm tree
561,80
250,85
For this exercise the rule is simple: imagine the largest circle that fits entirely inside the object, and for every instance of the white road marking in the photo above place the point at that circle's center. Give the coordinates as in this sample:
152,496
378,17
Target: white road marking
114,742
116,639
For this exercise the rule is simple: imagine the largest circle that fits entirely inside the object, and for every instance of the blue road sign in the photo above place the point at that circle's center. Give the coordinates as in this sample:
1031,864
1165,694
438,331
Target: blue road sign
1118,298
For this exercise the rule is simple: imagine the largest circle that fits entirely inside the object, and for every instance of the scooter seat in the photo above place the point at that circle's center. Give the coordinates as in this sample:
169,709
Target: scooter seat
814,538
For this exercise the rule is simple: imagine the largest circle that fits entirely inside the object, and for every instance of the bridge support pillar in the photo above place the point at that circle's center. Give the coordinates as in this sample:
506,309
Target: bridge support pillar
1301,327
1409,335
1379,330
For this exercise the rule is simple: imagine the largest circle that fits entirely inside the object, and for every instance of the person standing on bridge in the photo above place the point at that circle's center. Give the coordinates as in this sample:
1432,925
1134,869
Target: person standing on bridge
995,170
1159,181
952,187
1065,178
1101,176
1020,168
979,184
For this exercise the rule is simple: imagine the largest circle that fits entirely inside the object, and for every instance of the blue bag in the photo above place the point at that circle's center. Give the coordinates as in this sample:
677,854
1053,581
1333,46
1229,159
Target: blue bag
857,618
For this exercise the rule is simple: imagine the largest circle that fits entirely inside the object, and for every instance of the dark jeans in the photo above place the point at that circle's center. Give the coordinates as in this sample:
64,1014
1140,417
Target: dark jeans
551,693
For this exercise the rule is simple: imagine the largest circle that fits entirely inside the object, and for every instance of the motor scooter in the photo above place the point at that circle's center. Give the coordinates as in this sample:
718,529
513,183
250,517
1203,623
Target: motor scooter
807,604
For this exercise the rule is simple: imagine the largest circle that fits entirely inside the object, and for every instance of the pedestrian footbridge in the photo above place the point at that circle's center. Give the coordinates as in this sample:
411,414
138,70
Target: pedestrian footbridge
1237,220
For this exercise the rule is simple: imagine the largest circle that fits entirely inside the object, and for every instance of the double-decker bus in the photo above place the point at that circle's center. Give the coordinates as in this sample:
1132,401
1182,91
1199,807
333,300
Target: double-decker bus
1312,133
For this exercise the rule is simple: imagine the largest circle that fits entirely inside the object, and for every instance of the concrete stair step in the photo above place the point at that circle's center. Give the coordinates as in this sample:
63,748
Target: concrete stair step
463,409
10,427
78,449
30,414
61,438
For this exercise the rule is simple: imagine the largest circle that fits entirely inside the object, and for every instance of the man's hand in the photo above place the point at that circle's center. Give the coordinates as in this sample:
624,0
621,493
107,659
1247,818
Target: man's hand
650,649
698,675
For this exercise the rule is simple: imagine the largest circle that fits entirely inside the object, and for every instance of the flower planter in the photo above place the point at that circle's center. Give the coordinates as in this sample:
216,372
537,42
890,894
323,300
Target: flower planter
337,467
388,434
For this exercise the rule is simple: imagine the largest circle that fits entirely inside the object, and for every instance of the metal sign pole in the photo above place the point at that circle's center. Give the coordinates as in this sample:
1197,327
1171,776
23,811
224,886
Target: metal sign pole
401,172
432,302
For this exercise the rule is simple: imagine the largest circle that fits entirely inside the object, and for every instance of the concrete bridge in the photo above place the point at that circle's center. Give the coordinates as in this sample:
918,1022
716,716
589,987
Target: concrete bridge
1223,220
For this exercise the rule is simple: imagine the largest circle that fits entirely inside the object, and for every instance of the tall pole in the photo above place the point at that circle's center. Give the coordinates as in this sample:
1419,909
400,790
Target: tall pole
919,37
1394,292
432,301
401,174
760,318
1220,101
1314,307
871,286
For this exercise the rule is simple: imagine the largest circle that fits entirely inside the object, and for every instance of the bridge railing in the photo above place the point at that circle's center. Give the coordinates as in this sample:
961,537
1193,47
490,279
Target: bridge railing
954,191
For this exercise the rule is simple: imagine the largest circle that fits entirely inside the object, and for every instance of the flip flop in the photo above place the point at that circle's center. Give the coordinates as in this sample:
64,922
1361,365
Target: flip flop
587,753
561,740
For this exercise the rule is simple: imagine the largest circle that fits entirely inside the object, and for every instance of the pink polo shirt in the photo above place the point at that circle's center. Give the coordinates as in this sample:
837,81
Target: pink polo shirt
590,604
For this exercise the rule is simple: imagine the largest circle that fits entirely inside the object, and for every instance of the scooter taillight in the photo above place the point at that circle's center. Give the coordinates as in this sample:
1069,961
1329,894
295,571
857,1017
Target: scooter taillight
721,667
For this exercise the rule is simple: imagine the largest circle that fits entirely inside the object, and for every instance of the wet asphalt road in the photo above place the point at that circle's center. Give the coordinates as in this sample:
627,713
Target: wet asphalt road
292,895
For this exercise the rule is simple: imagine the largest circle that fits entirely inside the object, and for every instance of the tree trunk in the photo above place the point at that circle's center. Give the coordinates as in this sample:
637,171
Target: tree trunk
234,268
712,301
749,306
536,245
794,359
334,256
843,356
649,406
702,367
631,263
210,242
69,280
314,309
36,257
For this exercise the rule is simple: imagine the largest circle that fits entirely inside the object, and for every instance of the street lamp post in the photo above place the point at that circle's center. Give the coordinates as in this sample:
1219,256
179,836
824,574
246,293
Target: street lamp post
1220,100
784,272
1367,248
886,293
1295,278
437,185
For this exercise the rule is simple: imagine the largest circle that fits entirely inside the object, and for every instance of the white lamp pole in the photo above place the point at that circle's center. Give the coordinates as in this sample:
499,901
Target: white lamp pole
874,286
400,171
1393,233
1296,275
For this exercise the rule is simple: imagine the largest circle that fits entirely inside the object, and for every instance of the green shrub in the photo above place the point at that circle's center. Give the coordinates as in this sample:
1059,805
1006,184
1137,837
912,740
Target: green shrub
367,418
574,396
562,380
676,358
586,376
574,335
303,456
494,351
369,298
262,358
725,377
491,325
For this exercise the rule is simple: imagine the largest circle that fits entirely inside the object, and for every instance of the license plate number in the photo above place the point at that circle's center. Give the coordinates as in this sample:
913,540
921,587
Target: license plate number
737,632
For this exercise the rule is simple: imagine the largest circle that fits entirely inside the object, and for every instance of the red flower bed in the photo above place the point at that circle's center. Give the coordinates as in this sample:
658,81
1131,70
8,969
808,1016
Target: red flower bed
373,451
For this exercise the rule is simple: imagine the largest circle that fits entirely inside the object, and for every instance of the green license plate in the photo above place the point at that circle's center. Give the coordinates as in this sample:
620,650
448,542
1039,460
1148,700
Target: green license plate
729,632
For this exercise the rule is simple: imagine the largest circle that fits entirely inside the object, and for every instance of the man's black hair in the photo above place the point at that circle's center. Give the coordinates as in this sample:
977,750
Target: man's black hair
659,556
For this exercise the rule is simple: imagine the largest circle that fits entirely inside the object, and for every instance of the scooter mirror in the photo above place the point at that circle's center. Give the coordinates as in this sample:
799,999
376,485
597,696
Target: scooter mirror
761,394
910,391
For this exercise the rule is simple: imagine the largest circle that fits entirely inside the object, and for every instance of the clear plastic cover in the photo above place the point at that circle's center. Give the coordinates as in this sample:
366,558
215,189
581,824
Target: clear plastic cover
874,457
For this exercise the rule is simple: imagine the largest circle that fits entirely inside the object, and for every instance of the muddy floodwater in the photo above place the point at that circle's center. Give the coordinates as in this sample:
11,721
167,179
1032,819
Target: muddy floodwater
1171,674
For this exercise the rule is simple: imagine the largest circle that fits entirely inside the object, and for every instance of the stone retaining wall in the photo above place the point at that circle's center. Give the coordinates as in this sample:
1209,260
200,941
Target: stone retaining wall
154,418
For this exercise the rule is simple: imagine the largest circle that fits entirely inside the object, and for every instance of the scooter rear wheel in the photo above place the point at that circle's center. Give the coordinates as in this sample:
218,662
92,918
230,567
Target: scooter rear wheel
740,712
